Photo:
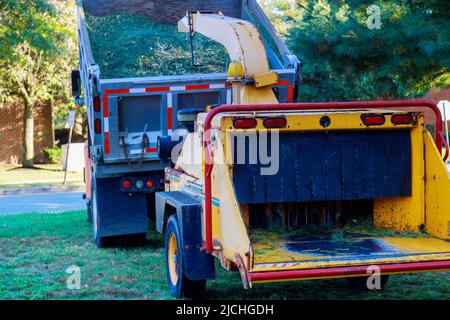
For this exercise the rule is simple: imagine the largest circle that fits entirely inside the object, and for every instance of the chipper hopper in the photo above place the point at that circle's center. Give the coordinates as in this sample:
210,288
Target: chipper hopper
285,192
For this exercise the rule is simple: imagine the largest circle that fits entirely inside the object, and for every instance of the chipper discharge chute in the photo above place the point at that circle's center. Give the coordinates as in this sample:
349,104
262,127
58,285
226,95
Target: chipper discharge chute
301,191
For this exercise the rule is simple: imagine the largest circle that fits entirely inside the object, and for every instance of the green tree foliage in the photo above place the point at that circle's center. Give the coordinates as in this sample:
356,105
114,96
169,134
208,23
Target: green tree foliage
343,59
37,50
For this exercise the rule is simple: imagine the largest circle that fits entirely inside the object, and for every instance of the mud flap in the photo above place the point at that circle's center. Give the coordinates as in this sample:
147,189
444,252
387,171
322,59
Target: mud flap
197,264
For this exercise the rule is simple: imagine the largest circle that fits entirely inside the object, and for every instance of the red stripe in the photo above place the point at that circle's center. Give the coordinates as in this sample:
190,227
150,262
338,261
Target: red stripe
151,150
107,149
228,85
169,118
290,96
348,271
282,83
197,87
158,89
117,91
105,106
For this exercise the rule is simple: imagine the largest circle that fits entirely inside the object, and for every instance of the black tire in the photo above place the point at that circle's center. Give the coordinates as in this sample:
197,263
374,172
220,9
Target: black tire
360,283
182,286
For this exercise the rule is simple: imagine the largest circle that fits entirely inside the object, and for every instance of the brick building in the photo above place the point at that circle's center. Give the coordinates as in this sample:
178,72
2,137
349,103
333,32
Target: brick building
11,126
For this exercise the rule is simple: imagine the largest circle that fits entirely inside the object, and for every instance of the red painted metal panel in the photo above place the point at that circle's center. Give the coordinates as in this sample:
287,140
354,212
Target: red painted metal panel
169,118
107,142
290,96
157,89
105,105
197,87
117,91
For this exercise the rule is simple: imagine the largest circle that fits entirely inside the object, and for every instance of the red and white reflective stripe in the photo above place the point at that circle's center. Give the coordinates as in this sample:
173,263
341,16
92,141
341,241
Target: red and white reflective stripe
170,89
148,150
290,93
169,113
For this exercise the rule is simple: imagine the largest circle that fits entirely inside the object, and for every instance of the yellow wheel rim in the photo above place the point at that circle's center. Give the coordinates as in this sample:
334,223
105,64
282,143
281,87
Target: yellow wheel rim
172,257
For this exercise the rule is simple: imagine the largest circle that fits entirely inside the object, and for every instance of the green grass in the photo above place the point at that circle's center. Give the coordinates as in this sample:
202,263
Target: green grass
36,249
41,173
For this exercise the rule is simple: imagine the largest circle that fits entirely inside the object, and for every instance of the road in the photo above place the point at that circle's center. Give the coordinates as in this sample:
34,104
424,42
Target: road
51,202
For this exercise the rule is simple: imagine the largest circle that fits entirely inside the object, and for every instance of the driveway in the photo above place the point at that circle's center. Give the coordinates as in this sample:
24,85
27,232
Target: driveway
50,202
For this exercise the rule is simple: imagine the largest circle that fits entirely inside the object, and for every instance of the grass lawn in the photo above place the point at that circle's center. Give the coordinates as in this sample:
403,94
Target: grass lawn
21,176
36,249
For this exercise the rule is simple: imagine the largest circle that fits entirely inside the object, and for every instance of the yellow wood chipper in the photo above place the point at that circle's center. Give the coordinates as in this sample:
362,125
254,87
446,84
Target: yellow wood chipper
298,191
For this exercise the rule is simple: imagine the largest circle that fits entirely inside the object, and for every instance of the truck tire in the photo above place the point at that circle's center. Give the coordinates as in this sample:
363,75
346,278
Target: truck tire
179,285
360,283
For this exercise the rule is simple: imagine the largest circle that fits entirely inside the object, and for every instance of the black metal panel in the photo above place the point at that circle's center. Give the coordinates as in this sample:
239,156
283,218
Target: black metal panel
329,166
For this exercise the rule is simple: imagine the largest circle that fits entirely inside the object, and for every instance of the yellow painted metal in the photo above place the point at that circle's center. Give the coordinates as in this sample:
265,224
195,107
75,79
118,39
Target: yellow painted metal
230,221
437,192
249,94
412,250
172,256
265,79
406,213
243,43
310,121
235,71
239,37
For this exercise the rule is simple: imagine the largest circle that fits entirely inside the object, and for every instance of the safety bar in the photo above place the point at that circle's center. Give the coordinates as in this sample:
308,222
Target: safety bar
209,155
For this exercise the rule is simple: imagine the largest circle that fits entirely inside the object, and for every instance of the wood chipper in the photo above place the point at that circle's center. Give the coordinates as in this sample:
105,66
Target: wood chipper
287,192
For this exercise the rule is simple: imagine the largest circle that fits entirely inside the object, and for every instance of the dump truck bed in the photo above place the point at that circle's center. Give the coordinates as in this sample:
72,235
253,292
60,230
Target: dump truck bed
138,66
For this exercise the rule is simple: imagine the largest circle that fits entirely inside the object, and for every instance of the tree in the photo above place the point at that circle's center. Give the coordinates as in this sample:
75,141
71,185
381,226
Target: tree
346,57
36,54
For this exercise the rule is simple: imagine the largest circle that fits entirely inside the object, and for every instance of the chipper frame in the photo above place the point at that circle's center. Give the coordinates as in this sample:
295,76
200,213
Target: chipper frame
255,181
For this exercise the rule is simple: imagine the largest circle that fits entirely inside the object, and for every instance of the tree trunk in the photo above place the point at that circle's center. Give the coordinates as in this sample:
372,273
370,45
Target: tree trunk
28,135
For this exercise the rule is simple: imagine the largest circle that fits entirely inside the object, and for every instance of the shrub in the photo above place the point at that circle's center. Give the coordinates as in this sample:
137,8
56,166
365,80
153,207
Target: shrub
53,155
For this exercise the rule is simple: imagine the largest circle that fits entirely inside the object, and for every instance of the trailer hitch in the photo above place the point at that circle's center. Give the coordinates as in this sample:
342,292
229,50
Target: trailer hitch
209,155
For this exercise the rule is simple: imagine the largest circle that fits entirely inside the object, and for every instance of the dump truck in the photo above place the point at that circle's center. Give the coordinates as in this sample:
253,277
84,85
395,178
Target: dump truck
130,107
298,191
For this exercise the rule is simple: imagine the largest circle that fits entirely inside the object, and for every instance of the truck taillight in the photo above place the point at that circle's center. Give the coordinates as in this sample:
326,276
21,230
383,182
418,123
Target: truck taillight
126,184
402,119
97,104
245,123
274,123
97,126
373,119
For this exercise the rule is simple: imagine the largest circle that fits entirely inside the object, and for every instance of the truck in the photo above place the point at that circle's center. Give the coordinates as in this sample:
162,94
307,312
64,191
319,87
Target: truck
298,191
132,117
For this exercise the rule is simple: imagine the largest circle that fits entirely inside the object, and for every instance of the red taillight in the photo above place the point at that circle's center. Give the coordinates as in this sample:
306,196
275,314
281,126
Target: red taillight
245,123
126,184
402,119
97,104
373,120
274,122
97,126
